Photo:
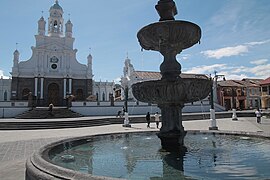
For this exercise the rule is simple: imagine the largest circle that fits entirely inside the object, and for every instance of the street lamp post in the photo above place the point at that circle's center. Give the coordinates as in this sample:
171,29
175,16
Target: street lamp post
213,94
126,120
126,98
212,109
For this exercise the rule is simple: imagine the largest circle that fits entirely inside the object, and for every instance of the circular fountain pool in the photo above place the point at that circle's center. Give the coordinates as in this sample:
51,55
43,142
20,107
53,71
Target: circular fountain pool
138,156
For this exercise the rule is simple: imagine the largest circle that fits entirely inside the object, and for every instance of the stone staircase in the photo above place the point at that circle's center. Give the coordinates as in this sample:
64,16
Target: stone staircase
51,123
43,113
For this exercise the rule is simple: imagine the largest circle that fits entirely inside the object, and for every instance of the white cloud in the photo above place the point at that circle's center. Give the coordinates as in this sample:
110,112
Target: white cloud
236,76
258,42
2,75
117,80
184,56
205,69
259,61
261,71
228,72
233,50
226,52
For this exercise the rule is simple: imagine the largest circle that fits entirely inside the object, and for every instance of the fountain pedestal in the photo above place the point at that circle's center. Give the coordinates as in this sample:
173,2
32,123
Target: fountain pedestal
170,97
172,132
172,141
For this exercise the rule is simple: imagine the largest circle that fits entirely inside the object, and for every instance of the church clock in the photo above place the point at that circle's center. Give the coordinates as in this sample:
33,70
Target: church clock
54,66
54,61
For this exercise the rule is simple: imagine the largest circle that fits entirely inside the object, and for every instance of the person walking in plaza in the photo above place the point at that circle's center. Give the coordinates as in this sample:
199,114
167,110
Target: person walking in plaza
148,119
157,119
51,108
258,115
123,111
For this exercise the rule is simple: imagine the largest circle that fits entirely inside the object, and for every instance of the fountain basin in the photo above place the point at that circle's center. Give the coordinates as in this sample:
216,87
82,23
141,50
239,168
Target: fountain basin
174,34
215,155
183,90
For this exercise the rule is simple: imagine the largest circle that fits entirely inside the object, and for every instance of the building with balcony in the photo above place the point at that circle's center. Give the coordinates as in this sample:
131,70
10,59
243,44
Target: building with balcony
253,93
265,90
239,94
231,95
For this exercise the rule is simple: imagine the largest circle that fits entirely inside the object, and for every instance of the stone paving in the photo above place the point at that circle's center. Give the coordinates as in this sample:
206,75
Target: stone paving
17,150
17,146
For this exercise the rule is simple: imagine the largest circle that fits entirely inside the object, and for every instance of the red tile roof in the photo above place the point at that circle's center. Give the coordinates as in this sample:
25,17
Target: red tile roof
147,75
266,81
157,75
255,81
229,83
247,83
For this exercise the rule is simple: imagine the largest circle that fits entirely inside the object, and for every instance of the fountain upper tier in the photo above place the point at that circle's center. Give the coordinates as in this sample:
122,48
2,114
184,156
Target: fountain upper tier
183,90
173,35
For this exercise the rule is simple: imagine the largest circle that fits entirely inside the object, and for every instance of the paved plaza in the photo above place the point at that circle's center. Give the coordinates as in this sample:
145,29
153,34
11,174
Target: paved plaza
17,145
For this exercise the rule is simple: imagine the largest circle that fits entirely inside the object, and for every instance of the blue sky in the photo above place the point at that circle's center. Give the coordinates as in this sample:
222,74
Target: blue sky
235,35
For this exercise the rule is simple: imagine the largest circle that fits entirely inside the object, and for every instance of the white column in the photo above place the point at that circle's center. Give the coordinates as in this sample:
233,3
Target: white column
213,120
65,87
36,85
126,121
41,88
234,115
70,85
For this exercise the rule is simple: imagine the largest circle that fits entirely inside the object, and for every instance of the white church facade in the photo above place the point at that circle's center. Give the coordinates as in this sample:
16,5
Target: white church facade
53,71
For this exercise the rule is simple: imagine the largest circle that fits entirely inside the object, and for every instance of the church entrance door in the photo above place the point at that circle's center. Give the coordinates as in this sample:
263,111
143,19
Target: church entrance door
53,94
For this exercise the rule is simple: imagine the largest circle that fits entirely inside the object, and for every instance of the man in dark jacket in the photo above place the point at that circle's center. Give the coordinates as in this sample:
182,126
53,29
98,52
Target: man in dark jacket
148,119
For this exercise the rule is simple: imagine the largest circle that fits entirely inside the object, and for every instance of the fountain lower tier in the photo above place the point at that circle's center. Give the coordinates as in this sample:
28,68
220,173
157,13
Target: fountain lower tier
171,97
178,92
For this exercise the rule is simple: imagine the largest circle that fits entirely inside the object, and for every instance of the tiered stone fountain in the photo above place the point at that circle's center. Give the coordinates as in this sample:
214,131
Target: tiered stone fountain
170,37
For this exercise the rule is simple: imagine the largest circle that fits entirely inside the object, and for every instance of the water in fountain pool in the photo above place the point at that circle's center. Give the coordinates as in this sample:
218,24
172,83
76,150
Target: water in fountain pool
139,156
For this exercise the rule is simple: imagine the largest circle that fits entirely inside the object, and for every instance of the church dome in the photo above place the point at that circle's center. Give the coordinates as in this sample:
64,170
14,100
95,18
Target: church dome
16,52
41,19
89,57
69,22
56,6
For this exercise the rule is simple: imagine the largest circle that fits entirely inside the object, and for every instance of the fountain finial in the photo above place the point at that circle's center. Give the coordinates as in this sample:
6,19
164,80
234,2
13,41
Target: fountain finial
166,9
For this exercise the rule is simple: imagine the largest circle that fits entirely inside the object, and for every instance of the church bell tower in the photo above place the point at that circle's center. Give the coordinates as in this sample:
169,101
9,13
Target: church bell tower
55,21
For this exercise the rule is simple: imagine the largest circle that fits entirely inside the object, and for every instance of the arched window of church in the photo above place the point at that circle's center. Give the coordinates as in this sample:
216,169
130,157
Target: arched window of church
97,96
25,94
5,96
55,26
103,96
79,95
